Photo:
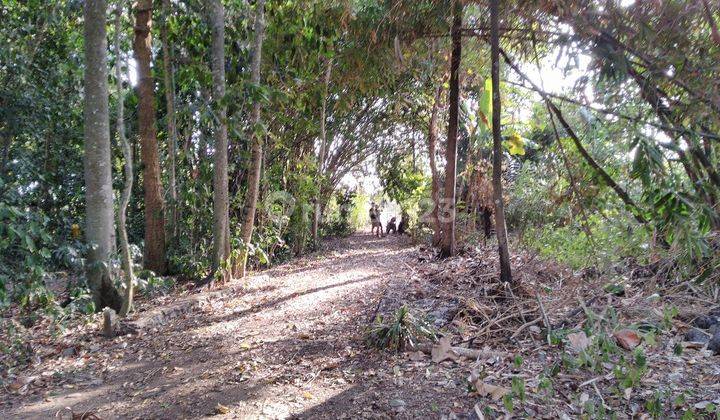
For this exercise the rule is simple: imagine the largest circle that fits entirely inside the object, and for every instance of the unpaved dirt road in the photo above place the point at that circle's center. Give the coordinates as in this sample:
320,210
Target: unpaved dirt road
288,343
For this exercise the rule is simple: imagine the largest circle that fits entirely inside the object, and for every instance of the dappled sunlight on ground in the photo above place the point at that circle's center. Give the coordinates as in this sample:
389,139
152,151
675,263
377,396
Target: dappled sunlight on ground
284,343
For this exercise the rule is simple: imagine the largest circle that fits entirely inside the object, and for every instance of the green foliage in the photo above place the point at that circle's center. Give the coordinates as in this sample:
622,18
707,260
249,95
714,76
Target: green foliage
358,214
628,373
378,105
611,241
152,285
403,329
338,221
80,302
515,144
518,388
402,182
545,386
485,105
25,253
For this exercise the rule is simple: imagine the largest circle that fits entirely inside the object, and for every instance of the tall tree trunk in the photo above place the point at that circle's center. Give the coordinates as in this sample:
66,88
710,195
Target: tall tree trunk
168,80
256,152
447,247
317,212
500,228
125,258
221,203
154,255
435,187
99,226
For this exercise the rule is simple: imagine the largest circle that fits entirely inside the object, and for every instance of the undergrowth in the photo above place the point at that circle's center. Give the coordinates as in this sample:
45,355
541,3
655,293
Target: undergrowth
402,330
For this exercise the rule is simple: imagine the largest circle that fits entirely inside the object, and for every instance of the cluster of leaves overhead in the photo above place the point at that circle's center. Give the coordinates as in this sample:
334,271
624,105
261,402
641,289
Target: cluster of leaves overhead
303,39
402,182
658,60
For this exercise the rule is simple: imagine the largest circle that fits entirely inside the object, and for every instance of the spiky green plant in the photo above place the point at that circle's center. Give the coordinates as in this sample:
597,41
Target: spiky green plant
404,328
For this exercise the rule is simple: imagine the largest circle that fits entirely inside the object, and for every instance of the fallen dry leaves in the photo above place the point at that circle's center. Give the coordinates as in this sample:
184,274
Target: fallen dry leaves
627,339
579,341
443,351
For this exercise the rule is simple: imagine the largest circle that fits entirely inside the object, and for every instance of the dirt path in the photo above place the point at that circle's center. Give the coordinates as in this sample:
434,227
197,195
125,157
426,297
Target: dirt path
288,344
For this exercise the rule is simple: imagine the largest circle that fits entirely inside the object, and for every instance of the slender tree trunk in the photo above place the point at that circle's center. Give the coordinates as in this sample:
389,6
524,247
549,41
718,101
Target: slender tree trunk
713,26
154,255
317,213
447,247
98,180
256,152
170,117
125,258
435,187
221,203
5,153
500,228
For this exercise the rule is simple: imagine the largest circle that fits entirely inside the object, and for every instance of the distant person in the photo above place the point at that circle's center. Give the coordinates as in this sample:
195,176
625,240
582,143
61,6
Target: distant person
391,227
376,225
403,226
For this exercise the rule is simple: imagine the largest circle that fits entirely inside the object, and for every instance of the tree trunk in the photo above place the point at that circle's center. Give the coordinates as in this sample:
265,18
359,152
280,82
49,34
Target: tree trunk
154,255
221,203
317,212
125,258
435,188
170,117
500,228
711,20
447,247
257,139
98,180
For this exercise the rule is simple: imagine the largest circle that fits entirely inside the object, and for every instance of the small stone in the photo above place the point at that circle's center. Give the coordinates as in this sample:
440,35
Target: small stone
397,403
701,405
70,351
111,323
675,376
705,321
695,335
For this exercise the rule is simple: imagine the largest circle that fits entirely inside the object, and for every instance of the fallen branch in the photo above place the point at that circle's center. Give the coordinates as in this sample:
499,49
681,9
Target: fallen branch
525,325
569,316
546,320
498,320
460,351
